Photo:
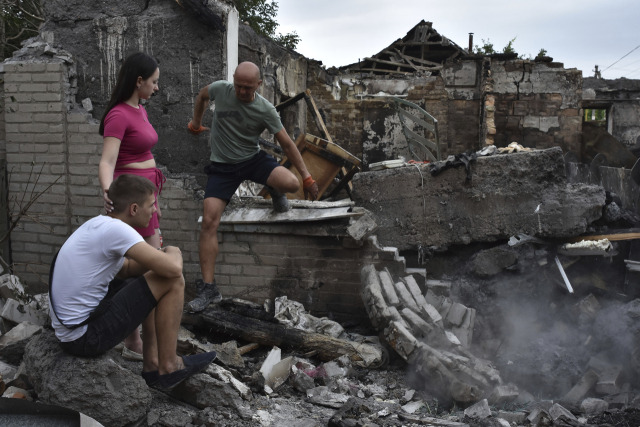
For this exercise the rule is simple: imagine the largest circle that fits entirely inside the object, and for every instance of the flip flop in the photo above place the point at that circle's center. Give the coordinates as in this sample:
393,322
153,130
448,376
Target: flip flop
193,364
150,377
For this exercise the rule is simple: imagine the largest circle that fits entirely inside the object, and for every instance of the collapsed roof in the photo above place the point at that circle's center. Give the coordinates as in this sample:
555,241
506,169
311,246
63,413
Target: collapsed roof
422,50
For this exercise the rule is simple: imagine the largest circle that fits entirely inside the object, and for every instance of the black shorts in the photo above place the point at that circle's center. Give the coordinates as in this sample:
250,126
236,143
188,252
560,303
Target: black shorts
225,178
123,309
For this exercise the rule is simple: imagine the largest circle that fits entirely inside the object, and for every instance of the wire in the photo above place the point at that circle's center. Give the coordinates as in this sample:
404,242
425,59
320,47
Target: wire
621,58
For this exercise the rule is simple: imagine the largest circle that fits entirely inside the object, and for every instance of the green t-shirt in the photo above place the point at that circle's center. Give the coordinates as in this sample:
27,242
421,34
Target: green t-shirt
236,126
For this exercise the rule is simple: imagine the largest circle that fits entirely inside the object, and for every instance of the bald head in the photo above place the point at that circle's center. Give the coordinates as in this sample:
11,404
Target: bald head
247,71
246,81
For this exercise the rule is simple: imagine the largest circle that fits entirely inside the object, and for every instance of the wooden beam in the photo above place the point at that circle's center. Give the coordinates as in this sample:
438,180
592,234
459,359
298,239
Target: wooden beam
414,59
382,70
316,115
269,333
611,237
290,101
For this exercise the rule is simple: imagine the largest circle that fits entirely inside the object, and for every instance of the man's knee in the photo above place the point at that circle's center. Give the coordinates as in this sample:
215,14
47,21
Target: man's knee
283,180
210,226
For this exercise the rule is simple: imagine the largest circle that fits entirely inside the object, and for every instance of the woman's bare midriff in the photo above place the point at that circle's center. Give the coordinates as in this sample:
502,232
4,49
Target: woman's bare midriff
151,163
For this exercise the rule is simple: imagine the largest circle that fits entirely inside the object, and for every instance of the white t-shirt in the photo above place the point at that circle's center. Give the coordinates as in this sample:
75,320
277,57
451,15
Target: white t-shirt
89,259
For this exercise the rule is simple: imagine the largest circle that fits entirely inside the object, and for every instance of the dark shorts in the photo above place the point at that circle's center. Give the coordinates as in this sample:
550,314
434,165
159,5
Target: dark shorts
126,305
225,178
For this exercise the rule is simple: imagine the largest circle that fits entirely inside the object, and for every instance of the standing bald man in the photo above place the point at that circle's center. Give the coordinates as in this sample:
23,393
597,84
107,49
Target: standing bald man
240,116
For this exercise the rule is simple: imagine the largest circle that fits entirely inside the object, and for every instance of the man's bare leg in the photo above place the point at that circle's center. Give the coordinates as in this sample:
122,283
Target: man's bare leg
207,291
162,325
283,180
208,243
134,342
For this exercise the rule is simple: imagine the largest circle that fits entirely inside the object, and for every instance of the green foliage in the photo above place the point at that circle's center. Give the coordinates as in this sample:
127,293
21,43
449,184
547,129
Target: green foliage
542,53
19,20
290,40
486,49
595,115
260,15
508,49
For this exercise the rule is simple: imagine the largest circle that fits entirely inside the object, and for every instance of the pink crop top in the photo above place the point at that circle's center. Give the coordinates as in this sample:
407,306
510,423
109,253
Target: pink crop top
131,126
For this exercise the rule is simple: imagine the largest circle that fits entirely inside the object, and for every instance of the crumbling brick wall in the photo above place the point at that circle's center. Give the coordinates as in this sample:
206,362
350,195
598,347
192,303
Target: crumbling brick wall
48,144
322,272
537,104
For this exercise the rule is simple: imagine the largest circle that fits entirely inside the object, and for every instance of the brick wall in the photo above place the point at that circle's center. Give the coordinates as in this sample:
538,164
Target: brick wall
51,144
322,272
36,158
537,105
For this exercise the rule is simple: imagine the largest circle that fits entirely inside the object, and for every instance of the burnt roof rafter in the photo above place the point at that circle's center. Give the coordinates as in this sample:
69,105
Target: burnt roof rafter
423,49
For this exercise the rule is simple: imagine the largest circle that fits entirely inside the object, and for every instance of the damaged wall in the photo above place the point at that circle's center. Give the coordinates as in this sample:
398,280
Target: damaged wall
537,104
475,100
506,195
51,89
191,53
620,99
62,147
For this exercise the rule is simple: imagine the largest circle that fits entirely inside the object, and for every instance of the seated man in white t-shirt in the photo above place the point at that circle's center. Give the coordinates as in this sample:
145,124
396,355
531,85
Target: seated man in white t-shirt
106,280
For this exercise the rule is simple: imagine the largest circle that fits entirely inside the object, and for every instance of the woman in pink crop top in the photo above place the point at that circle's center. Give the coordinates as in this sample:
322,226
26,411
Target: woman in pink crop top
128,135
128,139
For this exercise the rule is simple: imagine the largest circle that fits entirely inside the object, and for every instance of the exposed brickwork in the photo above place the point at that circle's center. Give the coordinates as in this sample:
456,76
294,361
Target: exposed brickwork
46,143
343,119
321,272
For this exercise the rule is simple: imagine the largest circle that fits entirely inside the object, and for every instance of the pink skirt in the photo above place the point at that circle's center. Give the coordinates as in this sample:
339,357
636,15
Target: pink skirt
154,175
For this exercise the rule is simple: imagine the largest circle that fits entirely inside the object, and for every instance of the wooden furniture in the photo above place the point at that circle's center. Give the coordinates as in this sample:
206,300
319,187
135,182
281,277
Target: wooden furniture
326,162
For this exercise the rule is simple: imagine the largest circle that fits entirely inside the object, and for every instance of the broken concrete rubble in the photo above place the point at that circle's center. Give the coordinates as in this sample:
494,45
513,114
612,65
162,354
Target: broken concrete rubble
414,209
448,368
218,396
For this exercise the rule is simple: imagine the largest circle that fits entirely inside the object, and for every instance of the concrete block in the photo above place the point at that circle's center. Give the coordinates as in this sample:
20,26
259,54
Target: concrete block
393,315
388,288
504,394
10,287
18,313
430,312
453,339
513,417
439,287
609,381
12,343
434,299
419,327
362,227
406,300
414,289
7,371
557,412
479,410
538,417
402,341
464,332
591,406
581,388
456,314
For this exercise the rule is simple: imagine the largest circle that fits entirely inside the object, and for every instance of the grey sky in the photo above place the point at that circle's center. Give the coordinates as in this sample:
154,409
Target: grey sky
578,33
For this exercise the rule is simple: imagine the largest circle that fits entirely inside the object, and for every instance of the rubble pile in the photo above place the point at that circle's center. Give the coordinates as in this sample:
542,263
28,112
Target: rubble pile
431,338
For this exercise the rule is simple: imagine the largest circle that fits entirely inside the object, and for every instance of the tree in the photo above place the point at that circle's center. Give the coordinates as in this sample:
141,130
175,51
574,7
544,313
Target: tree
19,20
260,15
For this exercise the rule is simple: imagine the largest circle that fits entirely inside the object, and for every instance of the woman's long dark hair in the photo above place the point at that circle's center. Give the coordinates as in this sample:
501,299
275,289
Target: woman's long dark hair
136,65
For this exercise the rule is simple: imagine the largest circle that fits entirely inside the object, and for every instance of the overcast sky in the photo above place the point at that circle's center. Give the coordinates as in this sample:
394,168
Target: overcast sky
578,33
